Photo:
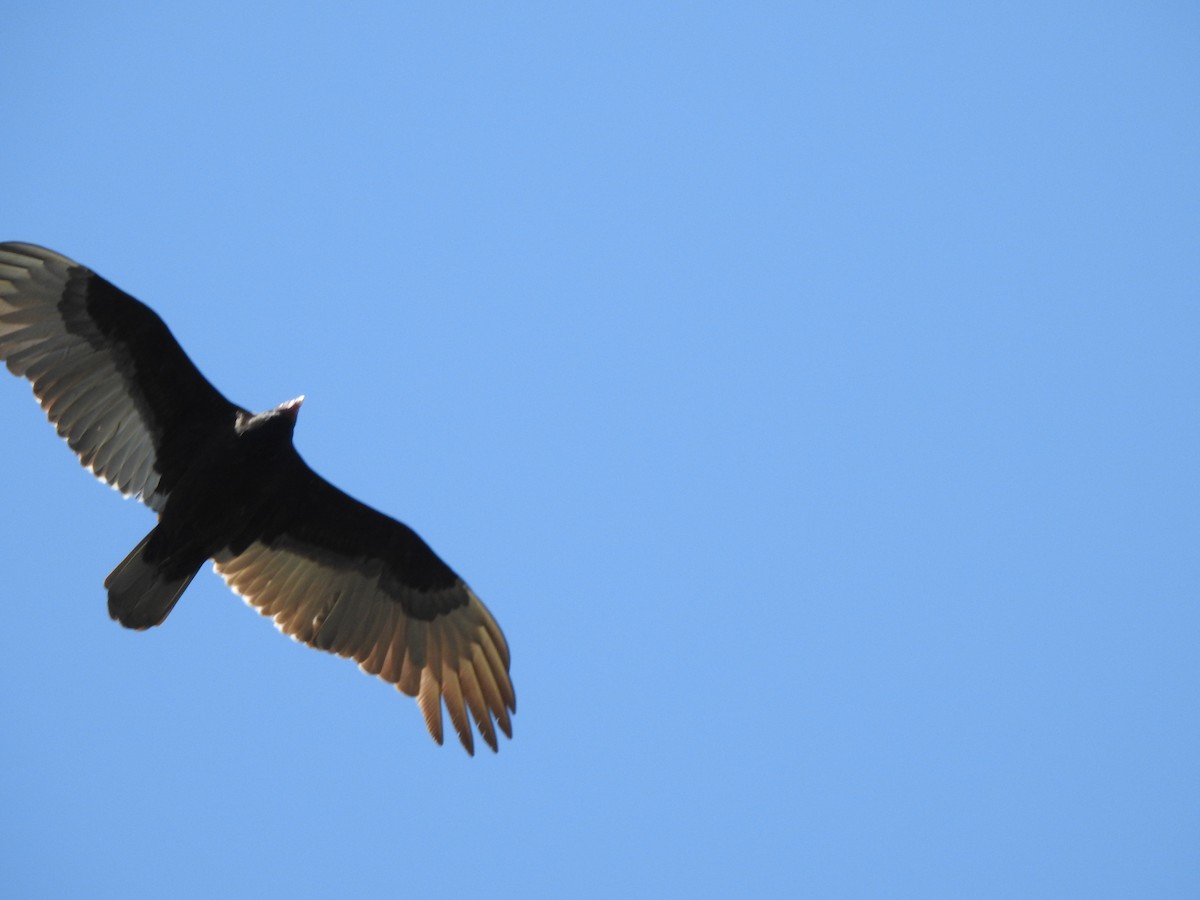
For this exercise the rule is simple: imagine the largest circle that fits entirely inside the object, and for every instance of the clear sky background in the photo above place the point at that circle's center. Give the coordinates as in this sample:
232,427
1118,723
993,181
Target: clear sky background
810,392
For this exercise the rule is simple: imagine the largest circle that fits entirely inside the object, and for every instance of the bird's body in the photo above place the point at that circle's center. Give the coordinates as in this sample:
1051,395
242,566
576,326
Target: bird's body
240,482
229,486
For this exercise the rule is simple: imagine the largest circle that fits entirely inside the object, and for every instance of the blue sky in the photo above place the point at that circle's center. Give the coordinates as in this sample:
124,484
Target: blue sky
809,391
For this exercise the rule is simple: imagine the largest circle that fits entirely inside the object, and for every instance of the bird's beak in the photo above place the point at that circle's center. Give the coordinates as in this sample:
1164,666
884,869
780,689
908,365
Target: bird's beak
292,407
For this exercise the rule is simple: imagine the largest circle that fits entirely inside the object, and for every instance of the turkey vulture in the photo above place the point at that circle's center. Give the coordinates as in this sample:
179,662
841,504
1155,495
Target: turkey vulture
228,485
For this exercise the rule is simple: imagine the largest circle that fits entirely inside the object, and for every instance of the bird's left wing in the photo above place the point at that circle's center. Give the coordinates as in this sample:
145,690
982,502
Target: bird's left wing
339,576
107,371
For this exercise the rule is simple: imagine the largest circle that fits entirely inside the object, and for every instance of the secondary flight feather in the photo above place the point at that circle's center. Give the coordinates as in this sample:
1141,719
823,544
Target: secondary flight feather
229,486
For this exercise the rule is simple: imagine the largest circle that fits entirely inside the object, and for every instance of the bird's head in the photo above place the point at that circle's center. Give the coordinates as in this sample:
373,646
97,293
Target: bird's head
291,409
281,418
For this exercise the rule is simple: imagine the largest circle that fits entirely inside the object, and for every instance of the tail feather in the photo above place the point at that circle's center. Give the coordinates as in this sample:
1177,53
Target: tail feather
140,595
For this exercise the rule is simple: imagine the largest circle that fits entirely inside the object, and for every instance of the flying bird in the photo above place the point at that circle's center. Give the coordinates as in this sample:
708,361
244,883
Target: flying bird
228,485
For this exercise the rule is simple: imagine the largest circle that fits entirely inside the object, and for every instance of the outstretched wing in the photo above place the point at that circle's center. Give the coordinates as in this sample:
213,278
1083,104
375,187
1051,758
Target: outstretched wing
341,577
106,370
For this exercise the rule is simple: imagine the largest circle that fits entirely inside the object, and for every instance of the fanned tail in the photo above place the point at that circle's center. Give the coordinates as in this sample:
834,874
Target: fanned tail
140,595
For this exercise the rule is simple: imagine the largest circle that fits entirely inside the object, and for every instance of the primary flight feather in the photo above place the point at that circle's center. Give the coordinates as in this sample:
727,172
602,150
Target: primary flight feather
228,485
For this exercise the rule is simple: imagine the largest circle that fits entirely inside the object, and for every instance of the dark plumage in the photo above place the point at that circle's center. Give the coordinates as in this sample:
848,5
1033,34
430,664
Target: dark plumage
229,486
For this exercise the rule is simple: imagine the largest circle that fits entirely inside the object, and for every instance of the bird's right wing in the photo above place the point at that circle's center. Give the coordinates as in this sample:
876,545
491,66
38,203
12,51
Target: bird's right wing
341,577
104,367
